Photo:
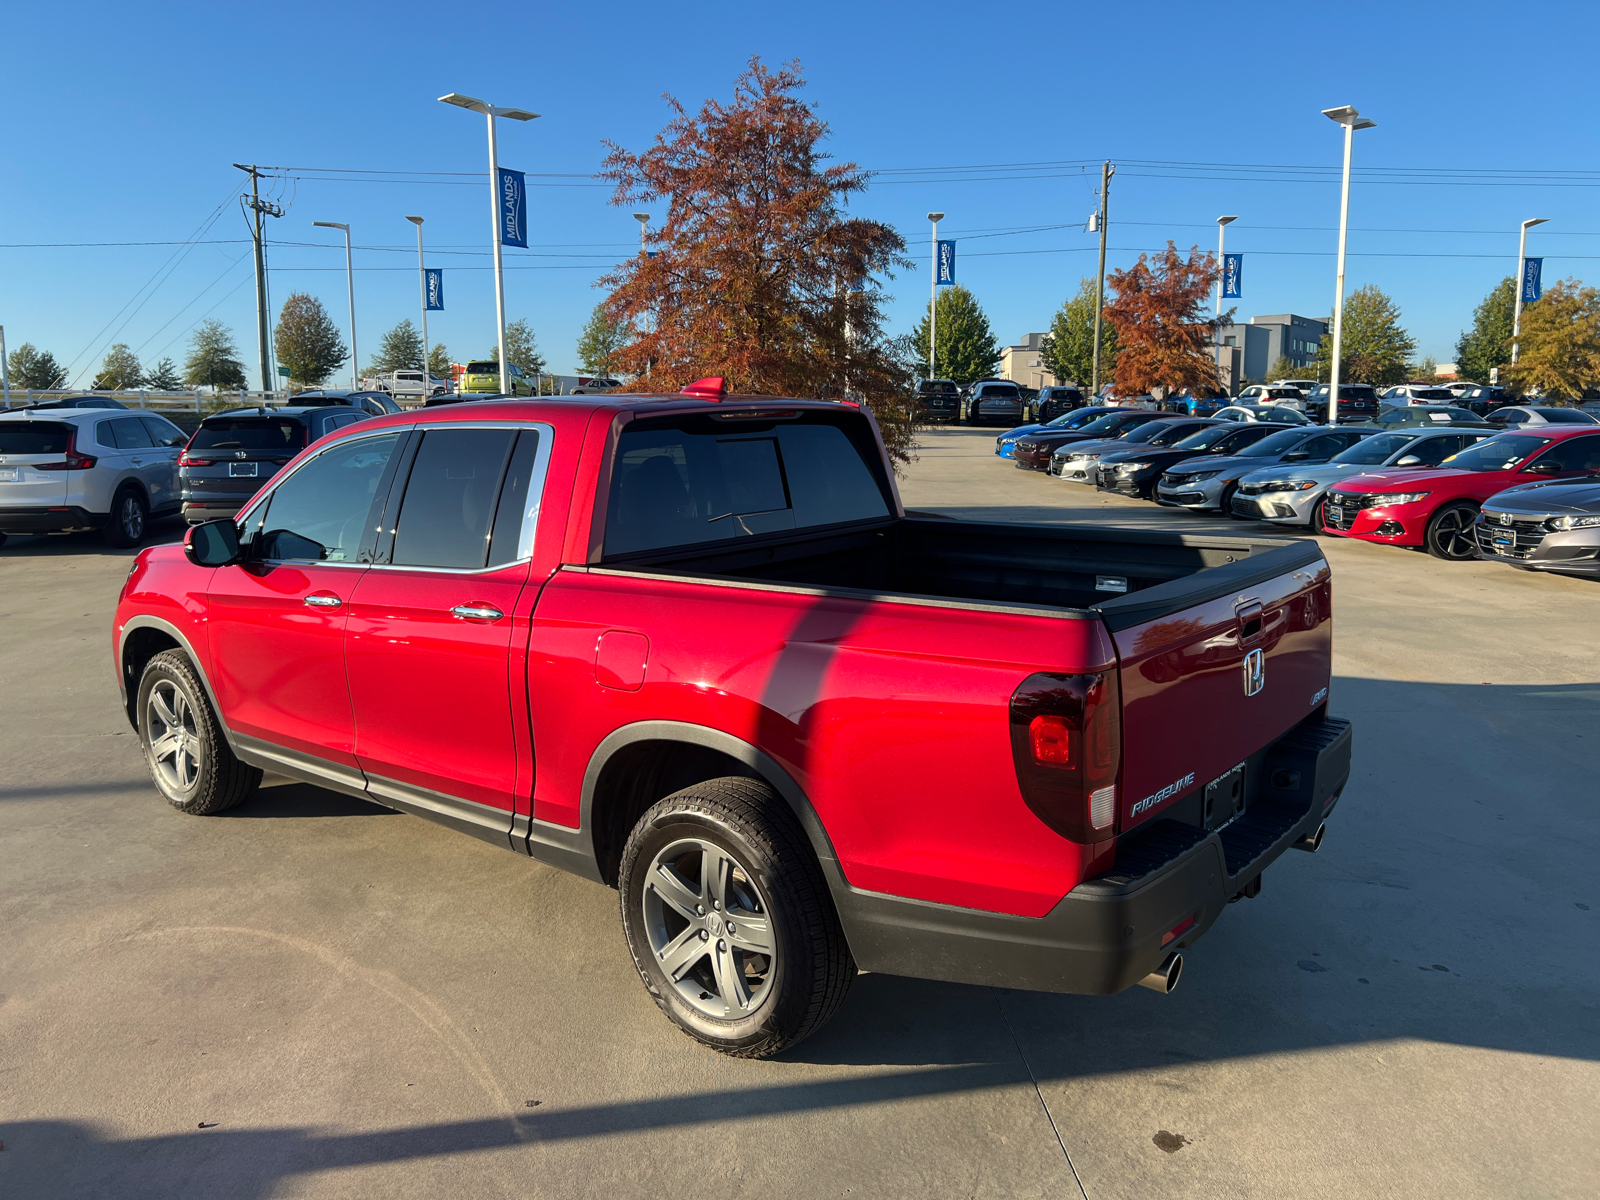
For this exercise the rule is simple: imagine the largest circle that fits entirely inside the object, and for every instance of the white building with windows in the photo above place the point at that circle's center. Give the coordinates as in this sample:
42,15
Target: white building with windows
1024,363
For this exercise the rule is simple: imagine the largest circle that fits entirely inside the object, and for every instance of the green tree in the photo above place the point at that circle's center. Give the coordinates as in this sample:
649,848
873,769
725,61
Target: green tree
439,361
120,370
1558,352
1487,344
164,377
1284,367
1068,349
1376,349
30,367
966,347
308,341
521,348
400,350
600,340
213,359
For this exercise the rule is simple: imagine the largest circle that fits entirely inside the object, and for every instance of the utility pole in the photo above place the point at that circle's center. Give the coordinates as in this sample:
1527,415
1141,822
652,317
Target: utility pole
1106,172
258,206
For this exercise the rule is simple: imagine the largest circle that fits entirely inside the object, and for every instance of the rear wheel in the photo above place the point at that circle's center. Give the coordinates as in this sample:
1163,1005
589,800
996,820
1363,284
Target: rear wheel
129,516
729,919
190,760
1450,535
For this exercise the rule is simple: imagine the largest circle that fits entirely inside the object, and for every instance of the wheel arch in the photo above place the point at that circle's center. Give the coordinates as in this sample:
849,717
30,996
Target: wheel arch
641,763
144,637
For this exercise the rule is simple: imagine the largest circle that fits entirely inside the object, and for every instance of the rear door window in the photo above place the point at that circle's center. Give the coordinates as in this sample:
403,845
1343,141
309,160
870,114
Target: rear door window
708,480
448,508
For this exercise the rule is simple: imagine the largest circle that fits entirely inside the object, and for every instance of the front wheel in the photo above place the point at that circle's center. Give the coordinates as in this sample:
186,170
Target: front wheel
729,920
190,760
1450,533
1319,515
1227,501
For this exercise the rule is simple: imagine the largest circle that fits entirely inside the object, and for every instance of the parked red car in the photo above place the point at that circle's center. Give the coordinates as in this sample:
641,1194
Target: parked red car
1438,509
694,648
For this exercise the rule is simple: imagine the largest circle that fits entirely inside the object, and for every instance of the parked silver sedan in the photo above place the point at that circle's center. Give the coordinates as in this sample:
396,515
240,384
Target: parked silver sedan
1290,495
1552,526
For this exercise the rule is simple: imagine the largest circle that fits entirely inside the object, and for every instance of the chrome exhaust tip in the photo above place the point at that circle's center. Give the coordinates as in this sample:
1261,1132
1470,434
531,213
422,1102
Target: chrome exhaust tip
1311,843
1165,977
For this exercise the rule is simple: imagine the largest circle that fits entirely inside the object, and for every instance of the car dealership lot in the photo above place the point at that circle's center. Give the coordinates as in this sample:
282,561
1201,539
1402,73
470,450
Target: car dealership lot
312,996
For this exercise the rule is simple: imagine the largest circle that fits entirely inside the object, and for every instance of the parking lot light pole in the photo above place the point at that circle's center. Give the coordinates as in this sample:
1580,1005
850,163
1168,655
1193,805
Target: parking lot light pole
1222,230
1522,266
491,112
350,281
933,296
422,279
1352,121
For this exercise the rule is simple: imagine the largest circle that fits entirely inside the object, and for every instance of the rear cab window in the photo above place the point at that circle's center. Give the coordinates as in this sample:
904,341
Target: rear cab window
694,479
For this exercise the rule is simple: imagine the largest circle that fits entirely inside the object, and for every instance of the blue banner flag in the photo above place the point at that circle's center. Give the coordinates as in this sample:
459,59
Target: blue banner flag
435,289
946,268
513,209
1532,268
1232,275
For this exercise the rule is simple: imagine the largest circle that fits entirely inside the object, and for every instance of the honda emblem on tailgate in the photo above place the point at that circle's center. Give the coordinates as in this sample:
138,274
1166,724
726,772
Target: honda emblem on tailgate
1255,673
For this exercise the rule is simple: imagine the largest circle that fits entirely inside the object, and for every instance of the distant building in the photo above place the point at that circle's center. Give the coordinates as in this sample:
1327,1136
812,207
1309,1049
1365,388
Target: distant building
1248,351
1024,363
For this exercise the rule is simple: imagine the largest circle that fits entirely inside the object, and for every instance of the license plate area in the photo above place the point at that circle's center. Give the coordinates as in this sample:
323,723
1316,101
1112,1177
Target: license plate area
10,474
245,470
1223,799
1335,513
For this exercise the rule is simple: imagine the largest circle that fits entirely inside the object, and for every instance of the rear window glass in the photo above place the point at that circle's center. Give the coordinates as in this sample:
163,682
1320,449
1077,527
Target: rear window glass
34,437
483,368
998,392
712,480
249,433
1431,394
1563,416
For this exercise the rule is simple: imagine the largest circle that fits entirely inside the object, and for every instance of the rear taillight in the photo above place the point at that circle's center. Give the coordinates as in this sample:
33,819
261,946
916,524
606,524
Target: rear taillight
1066,742
185,460
73,462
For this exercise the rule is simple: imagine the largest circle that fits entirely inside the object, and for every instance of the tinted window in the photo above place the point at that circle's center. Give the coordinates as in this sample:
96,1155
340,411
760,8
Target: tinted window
1577,454
163,431
34,437
1497,453
1077,420
320,513
130,434
279,434
1431,394
1164,435
483,368
711,480
1325,446
449,499
506,542
1004,392
1508,416
1564,416
1279,443
1208,437
1375,449
1111,423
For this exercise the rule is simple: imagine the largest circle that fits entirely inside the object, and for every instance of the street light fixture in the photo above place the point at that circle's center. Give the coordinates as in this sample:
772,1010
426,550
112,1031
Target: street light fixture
644,228
1351,120
933,299
491,112
1522,267
422,277
1222,228
350,281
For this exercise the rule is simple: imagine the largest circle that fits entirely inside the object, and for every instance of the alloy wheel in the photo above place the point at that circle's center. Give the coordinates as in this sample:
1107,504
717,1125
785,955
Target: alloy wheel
174,737
1454,533
131,515
710,928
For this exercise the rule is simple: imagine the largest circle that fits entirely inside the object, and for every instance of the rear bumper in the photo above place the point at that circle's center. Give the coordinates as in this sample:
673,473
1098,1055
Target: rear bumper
1108,933
50,520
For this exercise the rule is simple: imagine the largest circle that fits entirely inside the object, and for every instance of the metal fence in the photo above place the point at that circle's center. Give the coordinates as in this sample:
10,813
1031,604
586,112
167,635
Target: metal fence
198,401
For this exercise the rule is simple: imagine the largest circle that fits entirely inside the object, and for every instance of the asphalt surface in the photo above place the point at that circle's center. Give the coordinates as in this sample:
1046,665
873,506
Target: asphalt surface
311,996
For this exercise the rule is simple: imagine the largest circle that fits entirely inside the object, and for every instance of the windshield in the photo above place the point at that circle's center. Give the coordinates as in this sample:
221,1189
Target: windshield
1075,420
250,433
35,437
1162,434
1110,423
1206,438
1375,449
1279,443
1499,453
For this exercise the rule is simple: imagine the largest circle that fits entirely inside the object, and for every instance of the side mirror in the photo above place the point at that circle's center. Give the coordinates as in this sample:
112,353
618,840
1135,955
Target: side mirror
1297,456
1410,460
1543,467
213,544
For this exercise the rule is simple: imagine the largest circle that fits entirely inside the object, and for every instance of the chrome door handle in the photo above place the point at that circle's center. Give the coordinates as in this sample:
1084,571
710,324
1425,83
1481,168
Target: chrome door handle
476,612
323,602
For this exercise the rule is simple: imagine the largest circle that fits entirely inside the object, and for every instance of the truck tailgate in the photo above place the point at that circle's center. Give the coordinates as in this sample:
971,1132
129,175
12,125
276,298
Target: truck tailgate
1216,666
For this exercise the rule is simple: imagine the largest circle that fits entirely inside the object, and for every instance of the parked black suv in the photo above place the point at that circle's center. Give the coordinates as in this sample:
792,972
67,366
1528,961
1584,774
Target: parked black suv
1055,400
938,400
1358,404
234,453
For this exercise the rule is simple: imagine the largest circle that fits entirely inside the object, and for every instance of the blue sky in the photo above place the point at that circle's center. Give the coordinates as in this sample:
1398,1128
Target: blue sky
121,122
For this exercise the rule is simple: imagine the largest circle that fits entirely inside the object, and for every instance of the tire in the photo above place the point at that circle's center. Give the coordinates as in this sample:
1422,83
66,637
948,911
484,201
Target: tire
129,519
2,539
1225,505
1319,516
1449,535
767,1001
195,770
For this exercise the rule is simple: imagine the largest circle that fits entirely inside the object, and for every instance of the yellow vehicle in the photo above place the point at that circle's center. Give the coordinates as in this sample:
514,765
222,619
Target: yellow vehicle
483,378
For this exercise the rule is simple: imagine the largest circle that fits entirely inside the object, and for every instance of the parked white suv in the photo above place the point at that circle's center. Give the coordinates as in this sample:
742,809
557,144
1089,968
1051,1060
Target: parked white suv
66,469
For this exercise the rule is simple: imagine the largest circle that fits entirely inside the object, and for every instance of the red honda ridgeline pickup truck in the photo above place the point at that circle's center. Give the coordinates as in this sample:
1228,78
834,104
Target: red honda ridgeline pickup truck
694,647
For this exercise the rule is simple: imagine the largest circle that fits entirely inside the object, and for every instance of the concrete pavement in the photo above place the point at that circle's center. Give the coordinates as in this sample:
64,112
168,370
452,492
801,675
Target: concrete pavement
311,996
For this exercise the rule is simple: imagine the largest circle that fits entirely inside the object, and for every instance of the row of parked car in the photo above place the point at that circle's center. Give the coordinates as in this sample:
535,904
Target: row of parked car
1522,486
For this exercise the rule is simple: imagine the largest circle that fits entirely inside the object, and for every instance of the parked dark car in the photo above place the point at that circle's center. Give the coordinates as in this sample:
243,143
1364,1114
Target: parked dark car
1358,402
1479,398
1551,526
992,402
1210,483
1005,445
1134,472
1033,452
1057,399
938,400
1077,462
1427,416
78,402
233,454
374,404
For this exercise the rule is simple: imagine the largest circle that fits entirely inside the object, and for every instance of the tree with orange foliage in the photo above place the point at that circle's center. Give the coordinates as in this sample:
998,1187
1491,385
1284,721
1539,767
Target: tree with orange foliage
757,274
1162,339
